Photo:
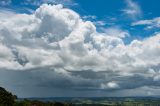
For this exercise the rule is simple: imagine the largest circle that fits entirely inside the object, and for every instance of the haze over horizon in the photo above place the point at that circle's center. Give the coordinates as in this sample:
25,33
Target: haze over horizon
80,48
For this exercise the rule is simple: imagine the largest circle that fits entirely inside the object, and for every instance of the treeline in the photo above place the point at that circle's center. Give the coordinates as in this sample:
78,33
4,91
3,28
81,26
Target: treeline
6,98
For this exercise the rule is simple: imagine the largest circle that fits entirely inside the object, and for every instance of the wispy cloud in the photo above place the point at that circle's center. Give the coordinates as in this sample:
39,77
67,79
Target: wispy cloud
149,24
99,23
39,2
89,17
133,10
5,2
116,32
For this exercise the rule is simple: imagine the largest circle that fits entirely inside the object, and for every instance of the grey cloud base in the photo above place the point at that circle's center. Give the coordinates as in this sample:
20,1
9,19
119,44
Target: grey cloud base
54,50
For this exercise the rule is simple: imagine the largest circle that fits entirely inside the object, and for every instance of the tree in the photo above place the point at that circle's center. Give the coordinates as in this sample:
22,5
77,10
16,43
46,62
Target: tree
6,98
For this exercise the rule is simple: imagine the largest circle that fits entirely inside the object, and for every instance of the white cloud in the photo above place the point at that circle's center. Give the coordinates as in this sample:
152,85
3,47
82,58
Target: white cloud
133,10
89,17
4,13
99,23
153,23
55,42
40,2
110,85
117,32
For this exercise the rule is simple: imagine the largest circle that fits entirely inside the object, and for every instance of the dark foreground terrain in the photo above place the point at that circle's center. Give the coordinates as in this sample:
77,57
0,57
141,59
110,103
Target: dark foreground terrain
8,99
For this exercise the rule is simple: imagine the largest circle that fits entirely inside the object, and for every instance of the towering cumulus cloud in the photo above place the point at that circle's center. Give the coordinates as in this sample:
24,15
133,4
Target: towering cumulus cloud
55,48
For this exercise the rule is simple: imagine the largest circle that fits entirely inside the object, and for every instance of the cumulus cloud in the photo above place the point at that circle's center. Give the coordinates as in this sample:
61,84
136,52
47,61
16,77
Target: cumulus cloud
133,10
111,85
58,49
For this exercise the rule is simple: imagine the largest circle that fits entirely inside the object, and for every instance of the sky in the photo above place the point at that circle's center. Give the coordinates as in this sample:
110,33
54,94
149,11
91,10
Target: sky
80,48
